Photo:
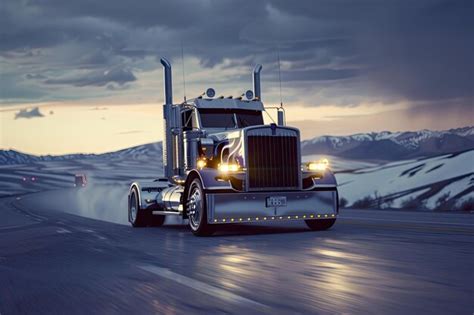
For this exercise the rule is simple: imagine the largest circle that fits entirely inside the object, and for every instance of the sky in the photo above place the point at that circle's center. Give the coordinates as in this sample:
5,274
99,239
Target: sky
84,76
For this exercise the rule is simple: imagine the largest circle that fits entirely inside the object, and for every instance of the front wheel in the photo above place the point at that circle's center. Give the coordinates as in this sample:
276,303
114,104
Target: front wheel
320,225
197,210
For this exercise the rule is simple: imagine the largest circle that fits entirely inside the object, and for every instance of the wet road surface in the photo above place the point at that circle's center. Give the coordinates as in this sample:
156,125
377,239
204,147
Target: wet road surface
370,262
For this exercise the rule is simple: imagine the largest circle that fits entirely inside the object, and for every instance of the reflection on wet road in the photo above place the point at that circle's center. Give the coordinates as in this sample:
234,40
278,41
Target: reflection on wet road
369,263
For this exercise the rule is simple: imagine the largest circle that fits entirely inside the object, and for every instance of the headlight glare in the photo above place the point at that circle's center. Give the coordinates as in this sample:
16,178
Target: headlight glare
201,163
320,165
228,167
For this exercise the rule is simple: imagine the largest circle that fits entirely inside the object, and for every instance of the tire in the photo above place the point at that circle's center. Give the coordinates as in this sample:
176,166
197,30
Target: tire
156,220
320,225
136,216
139,217
196,209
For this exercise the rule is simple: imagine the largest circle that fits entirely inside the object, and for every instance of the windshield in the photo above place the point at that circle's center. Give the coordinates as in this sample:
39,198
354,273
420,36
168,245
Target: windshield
247,118
229,119
217,118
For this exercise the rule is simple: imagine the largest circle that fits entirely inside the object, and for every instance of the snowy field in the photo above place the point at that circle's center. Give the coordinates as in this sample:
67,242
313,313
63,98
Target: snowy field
444,182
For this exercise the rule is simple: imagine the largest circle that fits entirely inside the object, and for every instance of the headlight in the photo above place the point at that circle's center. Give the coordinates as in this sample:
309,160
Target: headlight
228,167
320,165
201,163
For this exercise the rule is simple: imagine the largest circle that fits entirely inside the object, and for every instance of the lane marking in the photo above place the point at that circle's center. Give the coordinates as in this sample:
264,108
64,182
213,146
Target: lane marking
202,287
406,221
12,227
27,213
63,231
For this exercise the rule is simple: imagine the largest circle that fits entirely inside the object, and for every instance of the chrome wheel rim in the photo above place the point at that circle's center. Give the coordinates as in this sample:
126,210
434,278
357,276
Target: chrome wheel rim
195,207
133,207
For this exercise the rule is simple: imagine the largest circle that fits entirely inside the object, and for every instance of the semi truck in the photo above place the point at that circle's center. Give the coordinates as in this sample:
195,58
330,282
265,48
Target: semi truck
223,165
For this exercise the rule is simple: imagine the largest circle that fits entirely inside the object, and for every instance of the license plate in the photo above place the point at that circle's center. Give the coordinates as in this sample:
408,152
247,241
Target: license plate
276,201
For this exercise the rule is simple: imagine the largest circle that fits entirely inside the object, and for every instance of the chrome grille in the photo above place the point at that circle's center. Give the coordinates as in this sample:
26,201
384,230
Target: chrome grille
273,162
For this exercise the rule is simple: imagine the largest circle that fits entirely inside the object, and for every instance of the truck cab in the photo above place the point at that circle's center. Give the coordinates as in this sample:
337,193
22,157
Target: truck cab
223,165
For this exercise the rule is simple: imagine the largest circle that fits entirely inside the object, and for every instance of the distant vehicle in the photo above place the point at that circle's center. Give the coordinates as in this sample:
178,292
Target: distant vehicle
223,165
31,179
80,180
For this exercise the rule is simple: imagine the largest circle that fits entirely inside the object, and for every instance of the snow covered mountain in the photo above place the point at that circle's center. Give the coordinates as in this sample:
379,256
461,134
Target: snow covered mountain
140,152
381,146
390,146
443,182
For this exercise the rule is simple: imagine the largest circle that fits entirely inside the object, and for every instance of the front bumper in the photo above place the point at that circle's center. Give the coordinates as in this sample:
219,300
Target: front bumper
251,207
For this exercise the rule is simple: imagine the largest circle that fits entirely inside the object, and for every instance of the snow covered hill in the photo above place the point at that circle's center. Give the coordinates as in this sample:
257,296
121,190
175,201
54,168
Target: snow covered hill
143,152
444,182
390,146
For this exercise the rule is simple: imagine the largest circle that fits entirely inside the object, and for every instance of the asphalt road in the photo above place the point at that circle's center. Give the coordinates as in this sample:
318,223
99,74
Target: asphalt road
370,262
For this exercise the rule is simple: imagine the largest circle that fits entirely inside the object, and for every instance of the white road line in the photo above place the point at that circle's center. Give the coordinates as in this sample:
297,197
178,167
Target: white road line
406,221
11,227
63,231
202,287
27,213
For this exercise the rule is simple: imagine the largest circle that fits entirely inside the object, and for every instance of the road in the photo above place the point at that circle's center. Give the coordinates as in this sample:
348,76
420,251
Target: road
371,262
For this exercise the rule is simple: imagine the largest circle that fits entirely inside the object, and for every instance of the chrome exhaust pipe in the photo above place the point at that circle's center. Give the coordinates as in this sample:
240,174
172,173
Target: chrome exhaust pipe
256,82
168,121
167,81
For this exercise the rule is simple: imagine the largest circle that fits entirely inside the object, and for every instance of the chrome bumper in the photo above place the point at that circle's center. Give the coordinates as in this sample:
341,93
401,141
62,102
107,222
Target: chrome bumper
251,207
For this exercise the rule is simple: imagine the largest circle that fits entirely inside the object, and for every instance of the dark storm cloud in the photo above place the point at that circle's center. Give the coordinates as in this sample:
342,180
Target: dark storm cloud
319,74
97,78
34,76
420,50
391,50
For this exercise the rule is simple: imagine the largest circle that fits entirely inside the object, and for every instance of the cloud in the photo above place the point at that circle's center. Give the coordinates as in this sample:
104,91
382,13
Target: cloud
35,76
116,75
338,52
25,113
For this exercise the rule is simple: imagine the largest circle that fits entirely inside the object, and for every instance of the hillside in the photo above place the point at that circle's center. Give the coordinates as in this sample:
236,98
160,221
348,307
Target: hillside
145,151
444,182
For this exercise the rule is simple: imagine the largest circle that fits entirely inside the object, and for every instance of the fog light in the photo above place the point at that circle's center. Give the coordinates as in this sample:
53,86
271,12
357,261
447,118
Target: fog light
320,165
201,163
228,167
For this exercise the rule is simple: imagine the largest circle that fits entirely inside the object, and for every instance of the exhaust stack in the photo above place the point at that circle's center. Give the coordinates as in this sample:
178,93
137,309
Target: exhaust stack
167,80
168,121
256,82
